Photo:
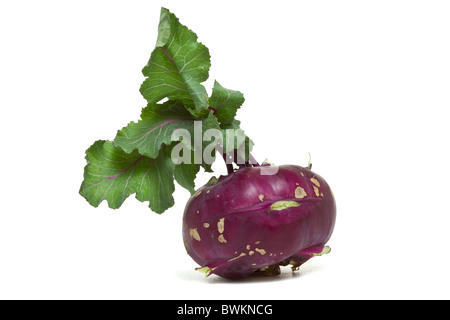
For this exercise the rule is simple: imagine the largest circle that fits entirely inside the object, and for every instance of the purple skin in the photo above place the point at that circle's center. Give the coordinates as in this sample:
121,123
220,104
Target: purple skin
247,223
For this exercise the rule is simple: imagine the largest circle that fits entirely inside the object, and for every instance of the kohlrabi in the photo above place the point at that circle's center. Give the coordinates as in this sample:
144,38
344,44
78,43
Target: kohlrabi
250,221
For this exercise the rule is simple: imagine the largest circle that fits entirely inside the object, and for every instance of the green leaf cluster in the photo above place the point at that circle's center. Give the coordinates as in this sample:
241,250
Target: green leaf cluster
138,160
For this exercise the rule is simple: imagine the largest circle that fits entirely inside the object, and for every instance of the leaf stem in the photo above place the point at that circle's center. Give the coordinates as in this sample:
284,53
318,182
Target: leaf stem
229,165
225,159
253,161
309,162
236,158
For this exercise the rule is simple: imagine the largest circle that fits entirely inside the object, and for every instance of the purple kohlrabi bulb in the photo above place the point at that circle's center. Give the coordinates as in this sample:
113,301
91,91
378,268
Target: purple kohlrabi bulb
249,223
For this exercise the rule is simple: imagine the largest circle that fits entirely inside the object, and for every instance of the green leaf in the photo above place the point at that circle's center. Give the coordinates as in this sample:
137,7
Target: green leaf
199,147
144,158
225,103
177,66
113,175
155,128
210,143
185,175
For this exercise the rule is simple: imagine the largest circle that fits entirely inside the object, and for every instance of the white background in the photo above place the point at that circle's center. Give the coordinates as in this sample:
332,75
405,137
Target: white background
361,85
